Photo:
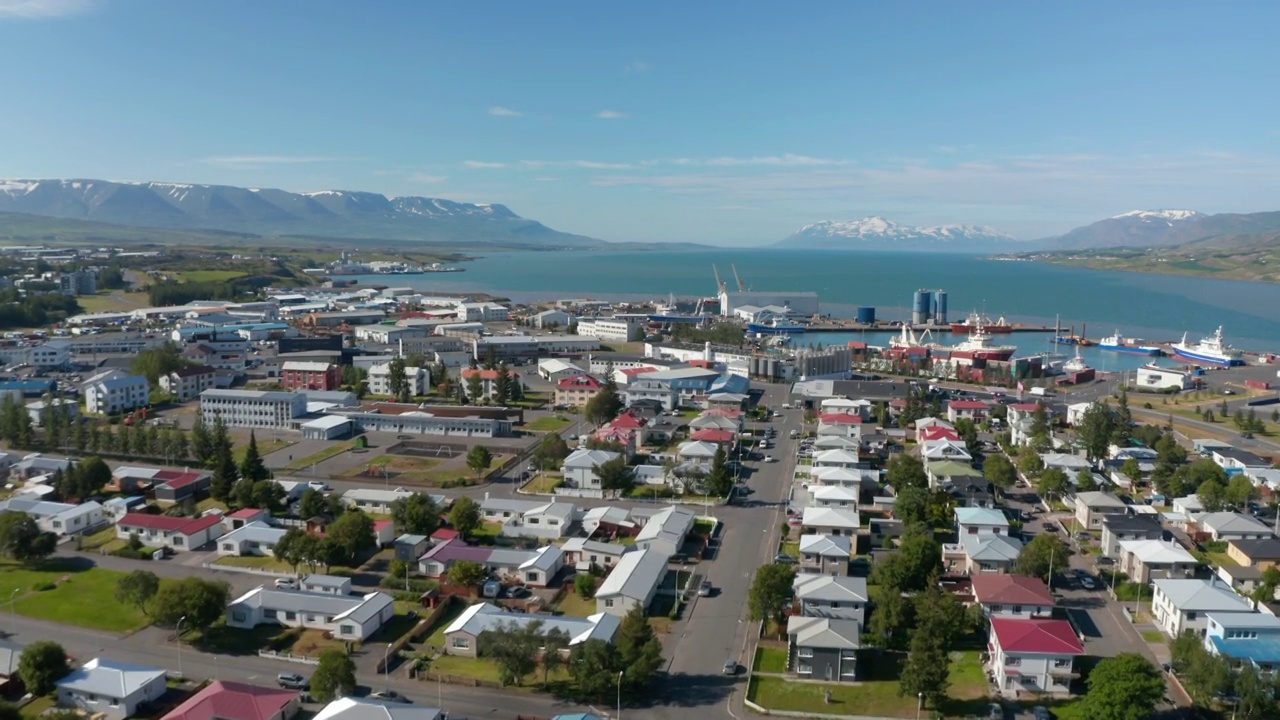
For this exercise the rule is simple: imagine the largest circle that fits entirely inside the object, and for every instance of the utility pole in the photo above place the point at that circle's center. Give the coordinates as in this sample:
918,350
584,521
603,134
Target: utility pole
178,630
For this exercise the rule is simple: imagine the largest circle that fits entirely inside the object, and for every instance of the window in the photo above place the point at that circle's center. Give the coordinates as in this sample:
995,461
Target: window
804,669
804,652
290,615
1012,661
1017,609
608,602
996,608
1062,663
238,615
347,629
1191,615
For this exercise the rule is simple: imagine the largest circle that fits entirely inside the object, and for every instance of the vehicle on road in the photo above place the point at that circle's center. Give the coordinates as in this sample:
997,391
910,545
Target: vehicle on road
784,559
1041,712
730,667
286,584
995,712
704,590
390,696
768,458
1087,583
291,681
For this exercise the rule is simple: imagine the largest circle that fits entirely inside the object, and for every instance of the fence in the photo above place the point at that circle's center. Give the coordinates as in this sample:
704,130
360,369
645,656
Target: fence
288,657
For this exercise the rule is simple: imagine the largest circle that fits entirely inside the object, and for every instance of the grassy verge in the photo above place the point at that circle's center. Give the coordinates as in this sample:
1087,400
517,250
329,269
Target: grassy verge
97,540
543,483
37,706
1154,636
549,424
316,458
209,275
770,660
258,562
265,447
109,302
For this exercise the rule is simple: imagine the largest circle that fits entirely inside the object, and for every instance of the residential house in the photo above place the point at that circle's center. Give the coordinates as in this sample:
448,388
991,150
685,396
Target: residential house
253,539
860,479
695,452
935,428
239,518
1188,505
839,597
111,688
633,582
39,410
115,391
836,458
1015,596
579,469
608,522
830,521
226,700
1069,464
489,383
582,553
1252,638
462,636
441,556
975,410
944,449
1017,412
945,473
175,486
1091,507
325,584
823,648
1220,526
1258,553
349,708
379,501
347,617
1142,560
825,554
576,390
408,547
980,521
666,530
524,518
1034,655
986,553
1119,527
537,568
299,375
834,496
971,491
179,533
417,379
75,520
187,382
1236,460
1182,605
653,390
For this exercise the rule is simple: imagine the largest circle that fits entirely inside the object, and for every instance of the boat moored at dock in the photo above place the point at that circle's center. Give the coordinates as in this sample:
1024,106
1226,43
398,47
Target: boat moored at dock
1211,350
1120,343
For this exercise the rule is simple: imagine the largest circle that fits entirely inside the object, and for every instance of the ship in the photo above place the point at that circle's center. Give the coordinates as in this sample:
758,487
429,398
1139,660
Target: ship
909,340
998,327
1120,343
776,326
979,346
1211,350
1075,364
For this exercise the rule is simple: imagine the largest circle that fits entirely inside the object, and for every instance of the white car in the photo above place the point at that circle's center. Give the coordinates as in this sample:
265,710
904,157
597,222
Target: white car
768,458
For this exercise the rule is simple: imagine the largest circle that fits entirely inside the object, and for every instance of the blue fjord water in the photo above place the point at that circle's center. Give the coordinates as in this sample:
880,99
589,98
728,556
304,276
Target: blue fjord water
1155,307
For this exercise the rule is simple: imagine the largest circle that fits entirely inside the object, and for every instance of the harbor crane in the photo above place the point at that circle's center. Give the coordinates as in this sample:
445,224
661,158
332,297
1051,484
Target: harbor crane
721,287
741,286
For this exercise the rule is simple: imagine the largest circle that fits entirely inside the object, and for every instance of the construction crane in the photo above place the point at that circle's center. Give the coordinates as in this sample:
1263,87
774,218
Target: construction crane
720,286
741,287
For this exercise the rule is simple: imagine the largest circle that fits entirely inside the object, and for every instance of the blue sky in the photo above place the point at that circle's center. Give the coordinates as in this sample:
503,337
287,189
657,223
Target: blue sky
730,123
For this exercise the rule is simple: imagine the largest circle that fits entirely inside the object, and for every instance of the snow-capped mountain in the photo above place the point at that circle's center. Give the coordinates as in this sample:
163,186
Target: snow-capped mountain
330,213
878,233
1165,216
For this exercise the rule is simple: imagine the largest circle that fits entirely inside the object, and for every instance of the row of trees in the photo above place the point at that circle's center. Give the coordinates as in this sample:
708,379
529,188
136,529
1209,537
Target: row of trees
418,514
196,602
1210,680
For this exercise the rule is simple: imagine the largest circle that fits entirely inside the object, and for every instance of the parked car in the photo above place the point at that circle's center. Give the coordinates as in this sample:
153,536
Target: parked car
286,584
704,590
730,667
768,458
1041,712
390,696
995,712
785,559
291,681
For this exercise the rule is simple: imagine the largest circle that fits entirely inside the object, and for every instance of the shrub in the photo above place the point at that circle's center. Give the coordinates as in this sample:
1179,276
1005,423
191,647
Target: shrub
45,586
133,554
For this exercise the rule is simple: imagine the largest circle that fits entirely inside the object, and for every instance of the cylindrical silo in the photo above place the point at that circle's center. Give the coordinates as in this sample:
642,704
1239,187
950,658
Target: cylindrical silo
922,307
940,307
867,315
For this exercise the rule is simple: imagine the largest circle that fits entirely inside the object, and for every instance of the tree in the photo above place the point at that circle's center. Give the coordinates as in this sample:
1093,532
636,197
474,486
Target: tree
639,648
606,403
594,666
551,451
911,506
918,557
1132,469
1255,695
1085,481
1124,687
466,573
906,471
513,648
398,380
968,432
137,588
9,711
770,591
22,540
202,602
201,442
584,584
417,514
1265,591
268,496
503,385
1240,490
1029,463
478,459
352,533
1213,495
616,475
242,493
1095,430
334,676
1052,482
223,461
290,548
1122,424
156,362
1041,435
464,516
893,614
42,664
312,503
999,472
939,615
1040,556
554,643
474,384
720,480
925,673
251,466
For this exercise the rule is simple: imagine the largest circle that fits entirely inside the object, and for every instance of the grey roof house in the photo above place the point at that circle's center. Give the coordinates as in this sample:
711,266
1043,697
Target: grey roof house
823,648
112,688
634,581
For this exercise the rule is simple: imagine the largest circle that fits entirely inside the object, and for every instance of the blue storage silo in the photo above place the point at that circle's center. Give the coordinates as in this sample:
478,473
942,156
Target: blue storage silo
940,307
867,315
922,307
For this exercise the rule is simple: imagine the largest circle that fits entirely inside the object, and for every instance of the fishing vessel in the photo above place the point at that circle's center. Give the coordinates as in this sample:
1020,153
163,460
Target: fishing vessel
776,326
979,346
1120,343
908,339
1075,364
1211,350
998,327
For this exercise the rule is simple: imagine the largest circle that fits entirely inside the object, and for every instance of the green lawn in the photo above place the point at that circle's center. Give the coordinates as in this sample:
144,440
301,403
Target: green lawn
259,562
437,632
393,629
315,458
265,447
791,548
83,597
35,707
549,424
477,668
209,275
575,605
222,640
543,483
1154,636
487,529
878,696
98,539
770,660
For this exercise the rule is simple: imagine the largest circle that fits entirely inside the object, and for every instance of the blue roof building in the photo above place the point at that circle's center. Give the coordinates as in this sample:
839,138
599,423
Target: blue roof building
1244,637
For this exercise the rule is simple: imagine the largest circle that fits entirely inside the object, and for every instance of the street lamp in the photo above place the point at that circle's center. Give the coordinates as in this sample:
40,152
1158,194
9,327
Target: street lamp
919,704
386,668
179,639
619,717
13,611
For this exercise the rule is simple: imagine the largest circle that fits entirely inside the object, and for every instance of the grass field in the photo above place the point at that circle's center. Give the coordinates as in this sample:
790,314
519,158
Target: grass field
878,696
436,639
770,660
549,423
113,302
266,446
254,561
1154,636
83,597
574,605
315,458
543,483
209,275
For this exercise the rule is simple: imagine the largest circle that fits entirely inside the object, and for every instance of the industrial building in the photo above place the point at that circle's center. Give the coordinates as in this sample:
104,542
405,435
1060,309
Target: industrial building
926,306
800,303
253,408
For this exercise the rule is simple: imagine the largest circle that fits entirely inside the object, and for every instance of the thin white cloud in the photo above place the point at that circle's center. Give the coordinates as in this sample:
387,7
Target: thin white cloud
481,165
427,179
637,67
611,115
253,161
546,179
774,160
585,164
42,9
500,111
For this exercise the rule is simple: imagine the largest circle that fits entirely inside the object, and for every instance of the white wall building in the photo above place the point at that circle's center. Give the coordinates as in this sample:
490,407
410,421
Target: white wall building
418,378
253,408
115,392
612,329
1152,377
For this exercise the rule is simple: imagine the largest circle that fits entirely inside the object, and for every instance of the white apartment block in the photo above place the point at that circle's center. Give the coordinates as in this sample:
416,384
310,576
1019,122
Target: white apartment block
253,408
380,380
115,392
187,383
612,329
482,312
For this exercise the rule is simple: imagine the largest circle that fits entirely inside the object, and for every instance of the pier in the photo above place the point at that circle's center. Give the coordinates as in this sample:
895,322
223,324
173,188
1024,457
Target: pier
837,325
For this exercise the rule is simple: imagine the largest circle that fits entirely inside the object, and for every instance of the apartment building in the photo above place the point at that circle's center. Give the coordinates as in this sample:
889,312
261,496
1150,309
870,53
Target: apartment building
253,408
310,375
115,392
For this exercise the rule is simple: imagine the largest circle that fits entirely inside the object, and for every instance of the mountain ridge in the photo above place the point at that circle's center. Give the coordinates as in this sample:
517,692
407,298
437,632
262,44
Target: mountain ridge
876,233
1164,228
275,212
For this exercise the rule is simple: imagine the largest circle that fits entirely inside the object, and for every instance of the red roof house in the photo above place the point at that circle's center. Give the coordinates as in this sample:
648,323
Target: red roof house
840,419
222,700
180,533
713,435
1041,636
1012,595
937,432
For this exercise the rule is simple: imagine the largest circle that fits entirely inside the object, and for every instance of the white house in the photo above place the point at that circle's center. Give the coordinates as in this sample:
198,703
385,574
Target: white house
1014,596
980,521
831,596
349,617
1143,560
1033,655
379,501
579,470
1181,605
253,408
115,391
944,449
111,688
1155,378
830,521
187,382
256,538
665,530
834,496
1092,507
76,519
179,533
555,369
633,582
524,518
417,378
349,708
